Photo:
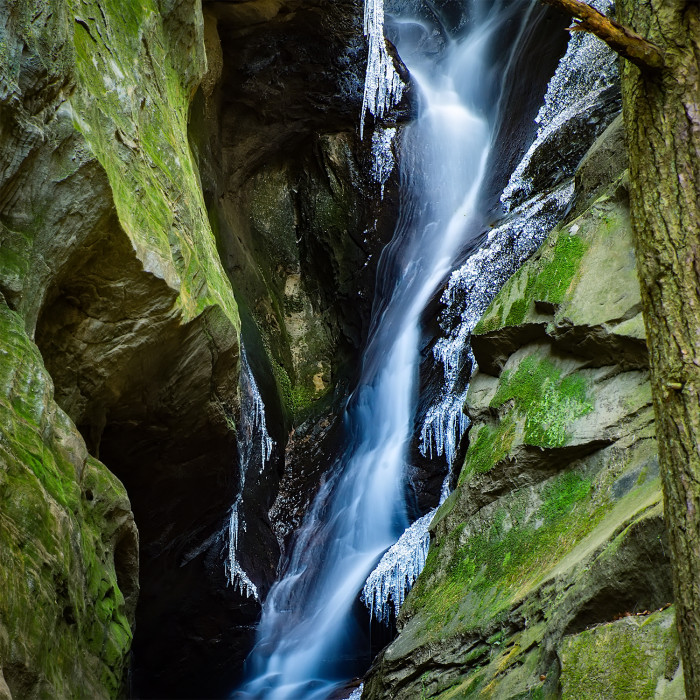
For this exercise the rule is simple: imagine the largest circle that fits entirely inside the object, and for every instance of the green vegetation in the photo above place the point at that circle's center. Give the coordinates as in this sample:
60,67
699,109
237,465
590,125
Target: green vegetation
133,107
59,592
549,402
490,447
556,275
622,659
547,279
487,568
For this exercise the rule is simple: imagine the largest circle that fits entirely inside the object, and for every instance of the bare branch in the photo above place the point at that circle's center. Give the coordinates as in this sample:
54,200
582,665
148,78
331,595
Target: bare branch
621,39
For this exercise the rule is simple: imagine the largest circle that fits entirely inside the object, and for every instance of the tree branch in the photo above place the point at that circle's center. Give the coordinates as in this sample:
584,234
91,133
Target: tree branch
621,39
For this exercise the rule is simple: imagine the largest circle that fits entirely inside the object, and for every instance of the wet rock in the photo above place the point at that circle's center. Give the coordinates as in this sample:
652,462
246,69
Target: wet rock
558,295
307,458
637,655
603,163
108,257
286,181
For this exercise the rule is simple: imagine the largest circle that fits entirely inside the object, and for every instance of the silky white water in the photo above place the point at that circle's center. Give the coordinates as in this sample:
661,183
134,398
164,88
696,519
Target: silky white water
305,642
586,71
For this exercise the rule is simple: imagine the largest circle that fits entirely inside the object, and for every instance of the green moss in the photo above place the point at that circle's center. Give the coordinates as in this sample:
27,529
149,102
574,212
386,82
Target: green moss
284,385
493,316
488,449
557,274
548,401
518,546
59,592
517,312
621,660
303,398
547,278
132,109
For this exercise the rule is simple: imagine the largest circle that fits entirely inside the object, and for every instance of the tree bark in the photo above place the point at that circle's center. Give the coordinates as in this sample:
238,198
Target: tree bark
661,105
662,122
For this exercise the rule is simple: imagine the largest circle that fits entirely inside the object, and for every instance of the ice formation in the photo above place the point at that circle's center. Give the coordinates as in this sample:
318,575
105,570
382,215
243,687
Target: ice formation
397,571
383,160
254,447
357,693
383,85
588,68
469,292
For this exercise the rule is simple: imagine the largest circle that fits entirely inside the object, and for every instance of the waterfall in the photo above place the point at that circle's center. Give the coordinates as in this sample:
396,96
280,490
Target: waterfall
588,69
308,636
254,450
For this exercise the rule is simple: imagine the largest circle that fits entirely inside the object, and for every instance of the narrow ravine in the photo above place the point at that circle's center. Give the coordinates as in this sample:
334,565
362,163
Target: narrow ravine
307,643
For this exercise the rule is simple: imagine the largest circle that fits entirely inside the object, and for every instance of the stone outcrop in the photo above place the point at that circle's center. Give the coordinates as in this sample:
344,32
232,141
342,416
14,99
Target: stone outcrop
550,555
69,545
296,214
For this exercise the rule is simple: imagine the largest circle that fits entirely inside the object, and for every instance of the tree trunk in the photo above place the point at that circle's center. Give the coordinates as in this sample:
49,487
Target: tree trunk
662,121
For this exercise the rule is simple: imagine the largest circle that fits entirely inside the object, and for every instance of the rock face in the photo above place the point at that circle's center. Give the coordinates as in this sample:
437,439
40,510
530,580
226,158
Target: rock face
69,554
286,182
110,265
164,164
555,530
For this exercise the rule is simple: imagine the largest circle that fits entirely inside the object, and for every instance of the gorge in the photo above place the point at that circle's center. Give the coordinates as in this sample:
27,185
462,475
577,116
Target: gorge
323,358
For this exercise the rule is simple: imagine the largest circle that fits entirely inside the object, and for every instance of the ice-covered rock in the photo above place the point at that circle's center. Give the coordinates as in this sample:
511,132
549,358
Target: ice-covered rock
254,448
572,104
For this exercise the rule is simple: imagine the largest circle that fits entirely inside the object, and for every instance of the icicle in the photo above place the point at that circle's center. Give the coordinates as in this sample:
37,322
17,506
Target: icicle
383,85
470,290
586,70
397,571
383,161
254,445
253,422
237,577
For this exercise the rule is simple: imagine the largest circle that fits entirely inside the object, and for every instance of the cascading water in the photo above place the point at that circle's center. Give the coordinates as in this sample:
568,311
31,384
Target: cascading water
306,641
585,73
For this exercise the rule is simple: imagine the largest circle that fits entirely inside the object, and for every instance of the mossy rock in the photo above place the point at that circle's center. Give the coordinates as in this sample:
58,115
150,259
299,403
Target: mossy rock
557,521
67,599
580,290
635,657
132,108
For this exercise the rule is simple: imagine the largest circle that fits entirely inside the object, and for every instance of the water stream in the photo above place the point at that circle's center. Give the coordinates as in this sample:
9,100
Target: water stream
307,638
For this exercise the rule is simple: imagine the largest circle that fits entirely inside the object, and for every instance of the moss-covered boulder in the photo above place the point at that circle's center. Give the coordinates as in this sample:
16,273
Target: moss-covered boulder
635,657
